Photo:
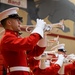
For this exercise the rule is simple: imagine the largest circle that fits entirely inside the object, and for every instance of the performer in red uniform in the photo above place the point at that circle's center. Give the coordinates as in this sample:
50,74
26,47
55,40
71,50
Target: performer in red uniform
46,69
14,48
60,50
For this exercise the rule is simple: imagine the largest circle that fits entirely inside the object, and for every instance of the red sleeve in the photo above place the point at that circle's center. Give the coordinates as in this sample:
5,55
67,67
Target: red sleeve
32,63
15,43
68,68
36,51
53,69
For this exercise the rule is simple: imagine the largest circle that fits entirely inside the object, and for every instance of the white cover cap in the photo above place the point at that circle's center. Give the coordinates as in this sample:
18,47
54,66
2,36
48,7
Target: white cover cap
59,47
4,14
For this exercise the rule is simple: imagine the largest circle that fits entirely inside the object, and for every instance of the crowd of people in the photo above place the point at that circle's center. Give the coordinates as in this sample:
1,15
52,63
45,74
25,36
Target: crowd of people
27,55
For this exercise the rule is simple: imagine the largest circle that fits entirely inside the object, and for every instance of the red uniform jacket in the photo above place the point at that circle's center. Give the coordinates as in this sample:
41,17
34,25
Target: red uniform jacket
14,49
52,70
70,69
32,63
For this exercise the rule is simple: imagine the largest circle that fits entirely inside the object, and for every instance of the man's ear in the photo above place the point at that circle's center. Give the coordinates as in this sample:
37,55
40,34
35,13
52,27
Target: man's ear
8,22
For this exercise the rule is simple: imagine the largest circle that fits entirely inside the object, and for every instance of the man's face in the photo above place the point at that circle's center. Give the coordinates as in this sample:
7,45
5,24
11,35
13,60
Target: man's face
15,24
61,52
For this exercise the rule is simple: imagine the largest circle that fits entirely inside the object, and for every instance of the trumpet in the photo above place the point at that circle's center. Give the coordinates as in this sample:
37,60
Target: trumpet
48,27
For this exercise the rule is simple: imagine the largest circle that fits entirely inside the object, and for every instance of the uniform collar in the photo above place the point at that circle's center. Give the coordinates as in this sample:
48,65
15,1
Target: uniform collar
13,32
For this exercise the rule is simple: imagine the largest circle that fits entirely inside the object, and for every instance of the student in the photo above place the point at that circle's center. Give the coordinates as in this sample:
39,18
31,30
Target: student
45,68
14,48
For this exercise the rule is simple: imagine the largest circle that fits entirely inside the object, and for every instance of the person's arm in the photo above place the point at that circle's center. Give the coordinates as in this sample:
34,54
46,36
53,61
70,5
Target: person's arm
45,68
40,47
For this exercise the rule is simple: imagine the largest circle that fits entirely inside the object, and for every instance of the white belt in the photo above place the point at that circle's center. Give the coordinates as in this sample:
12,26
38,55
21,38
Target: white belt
19,68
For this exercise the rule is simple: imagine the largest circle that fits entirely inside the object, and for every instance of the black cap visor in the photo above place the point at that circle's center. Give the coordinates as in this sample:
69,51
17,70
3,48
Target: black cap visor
15,16
62,50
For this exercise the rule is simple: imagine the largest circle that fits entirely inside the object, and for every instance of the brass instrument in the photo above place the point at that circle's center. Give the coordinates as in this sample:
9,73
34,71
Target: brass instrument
49,27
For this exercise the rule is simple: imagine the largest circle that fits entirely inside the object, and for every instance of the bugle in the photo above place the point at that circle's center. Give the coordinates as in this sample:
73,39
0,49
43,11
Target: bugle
48,27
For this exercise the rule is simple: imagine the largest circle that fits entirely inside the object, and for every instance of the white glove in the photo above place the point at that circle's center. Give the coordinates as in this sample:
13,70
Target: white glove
42,64
42,42
40,23
37,58
39,27
60,60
